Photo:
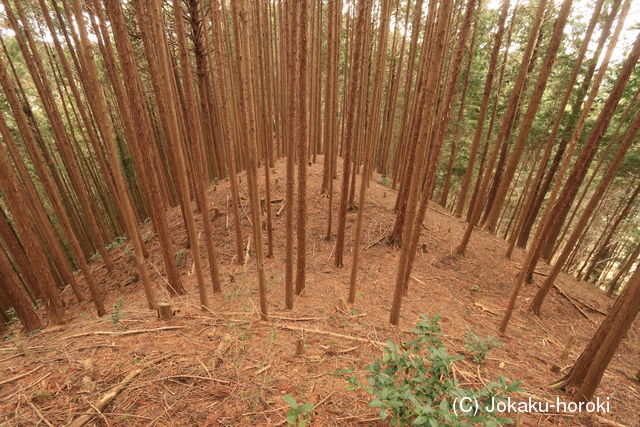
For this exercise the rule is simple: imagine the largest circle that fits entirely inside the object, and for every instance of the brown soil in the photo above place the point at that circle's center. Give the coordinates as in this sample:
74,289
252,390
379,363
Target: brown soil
225,367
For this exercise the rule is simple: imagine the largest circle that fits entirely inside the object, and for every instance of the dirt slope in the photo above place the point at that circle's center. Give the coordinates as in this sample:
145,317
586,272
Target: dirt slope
225,367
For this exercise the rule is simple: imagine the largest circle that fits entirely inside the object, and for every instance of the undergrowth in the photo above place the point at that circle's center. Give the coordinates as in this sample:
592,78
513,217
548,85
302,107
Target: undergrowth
479,346
297,415
414,384
117,313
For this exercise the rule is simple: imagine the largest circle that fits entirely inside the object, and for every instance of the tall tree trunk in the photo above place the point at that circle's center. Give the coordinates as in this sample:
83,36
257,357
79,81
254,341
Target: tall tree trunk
331,104
241,25
552,234
222,99
383,31
454,141
350,124
197,131
529,211
303,140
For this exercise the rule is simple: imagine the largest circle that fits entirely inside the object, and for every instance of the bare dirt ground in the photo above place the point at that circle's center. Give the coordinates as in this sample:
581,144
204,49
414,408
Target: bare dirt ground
226,367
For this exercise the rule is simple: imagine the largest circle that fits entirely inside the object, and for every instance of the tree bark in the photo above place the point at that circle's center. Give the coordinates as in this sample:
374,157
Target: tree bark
587,371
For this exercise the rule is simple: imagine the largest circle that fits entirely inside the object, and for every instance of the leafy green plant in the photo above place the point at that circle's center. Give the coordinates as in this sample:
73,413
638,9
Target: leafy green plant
95,256
298,415
117,314
479,346
13,316
413,384
384,180
180,256
147,236
119,240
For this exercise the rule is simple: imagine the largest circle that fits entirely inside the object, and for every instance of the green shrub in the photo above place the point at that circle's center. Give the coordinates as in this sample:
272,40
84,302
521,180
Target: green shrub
479,347
414,384
180,255
117,313
298,415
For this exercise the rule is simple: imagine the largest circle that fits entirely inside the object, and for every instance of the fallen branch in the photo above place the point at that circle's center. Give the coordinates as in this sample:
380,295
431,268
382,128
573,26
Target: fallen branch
22,390
487,309
590,307
564,294
419,281
195,377
121,334
18,349
111,394
37,411
375,242
17,377
297,319
317,405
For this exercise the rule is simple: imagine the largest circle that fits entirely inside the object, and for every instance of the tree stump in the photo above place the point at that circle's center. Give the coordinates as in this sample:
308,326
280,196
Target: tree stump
300,347
164,311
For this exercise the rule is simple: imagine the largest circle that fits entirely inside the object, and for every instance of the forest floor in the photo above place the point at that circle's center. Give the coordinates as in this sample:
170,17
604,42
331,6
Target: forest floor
226,367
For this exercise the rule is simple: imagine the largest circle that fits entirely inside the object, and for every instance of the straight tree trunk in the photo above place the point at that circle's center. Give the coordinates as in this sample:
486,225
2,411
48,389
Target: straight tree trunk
17,252
197,131
222,101
529,211
331,104
559,219
350,124
462,40
36,69
302,132
241,25
383,31
547,229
